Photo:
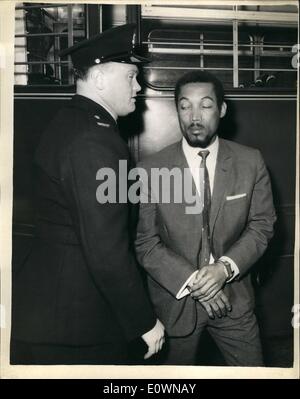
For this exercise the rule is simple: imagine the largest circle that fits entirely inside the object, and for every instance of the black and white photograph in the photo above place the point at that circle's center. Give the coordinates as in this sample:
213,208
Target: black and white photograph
150,189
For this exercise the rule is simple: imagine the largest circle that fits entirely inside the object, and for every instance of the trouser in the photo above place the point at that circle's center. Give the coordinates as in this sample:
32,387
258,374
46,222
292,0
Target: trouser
43,354
237,338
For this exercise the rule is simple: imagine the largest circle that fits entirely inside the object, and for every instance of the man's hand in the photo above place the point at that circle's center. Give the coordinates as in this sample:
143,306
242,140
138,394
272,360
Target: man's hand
155,339
208,281
218,305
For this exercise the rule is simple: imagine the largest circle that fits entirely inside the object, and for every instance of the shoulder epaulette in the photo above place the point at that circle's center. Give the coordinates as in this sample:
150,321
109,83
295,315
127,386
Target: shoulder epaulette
97,117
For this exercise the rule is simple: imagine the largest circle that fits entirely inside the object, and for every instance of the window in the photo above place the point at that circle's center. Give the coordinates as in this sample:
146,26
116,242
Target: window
42,31
246,47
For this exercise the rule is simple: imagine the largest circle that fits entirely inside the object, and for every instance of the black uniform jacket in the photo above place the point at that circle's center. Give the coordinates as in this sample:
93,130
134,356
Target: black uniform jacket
80,284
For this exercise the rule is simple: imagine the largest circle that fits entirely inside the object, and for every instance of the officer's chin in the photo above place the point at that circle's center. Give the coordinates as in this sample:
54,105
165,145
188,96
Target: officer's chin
132,107
128,111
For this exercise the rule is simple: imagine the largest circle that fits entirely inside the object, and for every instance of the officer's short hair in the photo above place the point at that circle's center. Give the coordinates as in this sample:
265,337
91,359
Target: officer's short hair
81,73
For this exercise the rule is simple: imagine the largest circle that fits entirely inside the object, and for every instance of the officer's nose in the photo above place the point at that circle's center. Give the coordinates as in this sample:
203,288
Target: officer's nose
137,87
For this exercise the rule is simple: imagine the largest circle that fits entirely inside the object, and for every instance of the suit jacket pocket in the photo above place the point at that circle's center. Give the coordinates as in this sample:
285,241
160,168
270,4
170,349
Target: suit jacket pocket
234,216
236,200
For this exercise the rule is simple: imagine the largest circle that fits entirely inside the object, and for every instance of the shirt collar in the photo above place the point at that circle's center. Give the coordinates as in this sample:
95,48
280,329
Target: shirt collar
192,152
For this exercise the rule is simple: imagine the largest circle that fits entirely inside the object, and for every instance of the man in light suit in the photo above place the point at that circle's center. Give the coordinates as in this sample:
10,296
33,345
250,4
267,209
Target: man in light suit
190,294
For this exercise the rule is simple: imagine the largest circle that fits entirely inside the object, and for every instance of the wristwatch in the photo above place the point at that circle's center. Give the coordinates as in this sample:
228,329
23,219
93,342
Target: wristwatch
227,268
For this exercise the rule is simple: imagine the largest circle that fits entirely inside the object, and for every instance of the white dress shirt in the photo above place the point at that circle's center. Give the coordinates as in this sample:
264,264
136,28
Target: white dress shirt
193,159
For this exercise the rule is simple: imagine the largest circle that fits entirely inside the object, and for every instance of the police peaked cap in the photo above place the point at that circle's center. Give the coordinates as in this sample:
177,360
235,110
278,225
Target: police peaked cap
115,44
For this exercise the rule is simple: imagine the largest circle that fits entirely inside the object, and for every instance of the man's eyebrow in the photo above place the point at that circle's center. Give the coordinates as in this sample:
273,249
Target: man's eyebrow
208,97
203,98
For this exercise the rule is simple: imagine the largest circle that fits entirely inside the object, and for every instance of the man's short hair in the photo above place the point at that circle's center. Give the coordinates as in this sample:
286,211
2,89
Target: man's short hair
81,73
201,77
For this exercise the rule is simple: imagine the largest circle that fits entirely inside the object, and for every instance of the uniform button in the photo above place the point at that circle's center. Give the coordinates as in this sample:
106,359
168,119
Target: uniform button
97,61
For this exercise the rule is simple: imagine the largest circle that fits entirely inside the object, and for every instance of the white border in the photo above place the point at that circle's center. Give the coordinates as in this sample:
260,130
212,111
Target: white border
6,168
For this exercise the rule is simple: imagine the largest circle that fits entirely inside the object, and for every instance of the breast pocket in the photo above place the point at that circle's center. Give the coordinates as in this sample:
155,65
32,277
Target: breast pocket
236,199
236,209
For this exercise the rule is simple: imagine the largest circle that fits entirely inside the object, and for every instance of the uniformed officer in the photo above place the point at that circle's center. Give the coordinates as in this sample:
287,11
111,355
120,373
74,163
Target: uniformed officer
79,298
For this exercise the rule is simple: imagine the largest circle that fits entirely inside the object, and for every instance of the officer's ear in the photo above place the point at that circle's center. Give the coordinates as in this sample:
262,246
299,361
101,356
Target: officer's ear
97,77
223,109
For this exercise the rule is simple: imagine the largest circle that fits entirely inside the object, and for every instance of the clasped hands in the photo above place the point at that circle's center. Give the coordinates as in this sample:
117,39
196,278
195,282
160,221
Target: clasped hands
206,287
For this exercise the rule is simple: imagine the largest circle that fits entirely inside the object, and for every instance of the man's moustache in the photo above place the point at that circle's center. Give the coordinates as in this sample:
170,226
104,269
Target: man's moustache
196,125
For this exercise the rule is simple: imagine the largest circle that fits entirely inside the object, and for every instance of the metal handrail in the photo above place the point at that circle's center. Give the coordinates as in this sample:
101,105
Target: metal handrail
217,44
190,68
220,69
53,5
217,52
41,34
40,62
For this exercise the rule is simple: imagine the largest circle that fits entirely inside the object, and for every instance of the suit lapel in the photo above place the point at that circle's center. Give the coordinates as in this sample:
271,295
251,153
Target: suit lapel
221,182
192,222
179,161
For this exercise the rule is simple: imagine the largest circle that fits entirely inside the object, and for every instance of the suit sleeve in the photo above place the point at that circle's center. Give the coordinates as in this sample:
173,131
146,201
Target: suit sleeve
103,233
164,266
261,218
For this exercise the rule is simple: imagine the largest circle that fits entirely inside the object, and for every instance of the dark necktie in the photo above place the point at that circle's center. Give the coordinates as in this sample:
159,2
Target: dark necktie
206,195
